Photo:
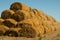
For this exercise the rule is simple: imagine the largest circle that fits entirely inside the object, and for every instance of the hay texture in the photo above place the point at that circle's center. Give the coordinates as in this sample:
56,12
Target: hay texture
21,15
19,6
30,23
7,14
42,21
23,21
10,23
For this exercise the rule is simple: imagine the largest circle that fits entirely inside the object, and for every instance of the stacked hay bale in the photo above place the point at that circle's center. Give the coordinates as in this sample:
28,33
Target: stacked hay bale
23,21
7,14
19,6
21,15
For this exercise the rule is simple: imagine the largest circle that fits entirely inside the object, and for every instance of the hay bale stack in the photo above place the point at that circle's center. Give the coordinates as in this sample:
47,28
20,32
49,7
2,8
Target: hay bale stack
10,23
21,15
23,21
19,6
7,14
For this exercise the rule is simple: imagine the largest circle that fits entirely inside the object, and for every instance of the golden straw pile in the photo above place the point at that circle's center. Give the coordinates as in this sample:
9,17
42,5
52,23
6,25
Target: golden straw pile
21,20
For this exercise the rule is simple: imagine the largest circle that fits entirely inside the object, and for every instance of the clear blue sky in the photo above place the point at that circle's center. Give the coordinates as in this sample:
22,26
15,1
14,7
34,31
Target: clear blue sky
50,7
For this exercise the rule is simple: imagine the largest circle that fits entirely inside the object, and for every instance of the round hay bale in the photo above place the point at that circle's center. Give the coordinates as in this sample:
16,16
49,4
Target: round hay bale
7,14
10,23
21,15
30,23
28,32
19,6
11,33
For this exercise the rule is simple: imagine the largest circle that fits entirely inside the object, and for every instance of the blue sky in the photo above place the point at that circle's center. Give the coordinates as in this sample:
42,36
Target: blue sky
50,7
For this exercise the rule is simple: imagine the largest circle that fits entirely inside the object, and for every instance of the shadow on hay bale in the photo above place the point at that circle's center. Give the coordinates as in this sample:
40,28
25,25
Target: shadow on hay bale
10,23
19,6
1,33
7,14
28,32
11,33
